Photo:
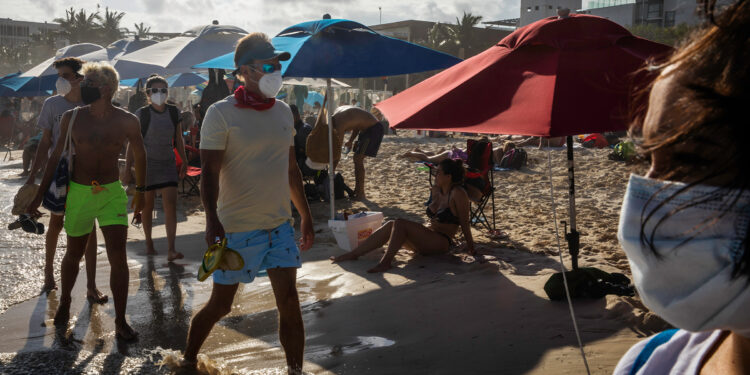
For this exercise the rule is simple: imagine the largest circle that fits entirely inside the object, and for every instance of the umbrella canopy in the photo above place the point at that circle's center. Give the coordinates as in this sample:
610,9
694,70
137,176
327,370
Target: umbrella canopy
314,96
186,79
313,82
11,80
554,77
74,50
178,54
345,49
116,49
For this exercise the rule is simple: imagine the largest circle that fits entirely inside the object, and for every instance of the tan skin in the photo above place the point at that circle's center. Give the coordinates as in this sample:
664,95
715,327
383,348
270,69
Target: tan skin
56,221
349,118
731,354
99,133
168,194
283,280
424,240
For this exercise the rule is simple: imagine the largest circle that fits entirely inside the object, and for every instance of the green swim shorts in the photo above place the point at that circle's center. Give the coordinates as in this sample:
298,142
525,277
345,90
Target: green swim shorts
108,204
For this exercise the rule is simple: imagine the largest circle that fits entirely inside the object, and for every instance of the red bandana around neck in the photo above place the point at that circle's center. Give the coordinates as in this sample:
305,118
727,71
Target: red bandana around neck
247,99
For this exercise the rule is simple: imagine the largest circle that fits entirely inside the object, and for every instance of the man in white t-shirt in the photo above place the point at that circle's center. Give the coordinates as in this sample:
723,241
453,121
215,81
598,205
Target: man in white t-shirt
249,175
68,96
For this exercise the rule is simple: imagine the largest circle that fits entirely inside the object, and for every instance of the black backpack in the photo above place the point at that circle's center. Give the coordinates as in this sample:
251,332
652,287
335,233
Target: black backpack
515,158
145,118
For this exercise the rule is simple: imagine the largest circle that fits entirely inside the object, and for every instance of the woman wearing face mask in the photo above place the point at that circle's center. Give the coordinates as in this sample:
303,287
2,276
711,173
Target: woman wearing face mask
162,132
684,226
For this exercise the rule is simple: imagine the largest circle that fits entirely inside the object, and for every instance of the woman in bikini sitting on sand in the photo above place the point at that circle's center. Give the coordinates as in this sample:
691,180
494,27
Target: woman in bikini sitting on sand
448,211
455,153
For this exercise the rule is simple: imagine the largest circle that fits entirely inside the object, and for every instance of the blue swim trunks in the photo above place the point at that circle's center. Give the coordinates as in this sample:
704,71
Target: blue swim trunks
261,250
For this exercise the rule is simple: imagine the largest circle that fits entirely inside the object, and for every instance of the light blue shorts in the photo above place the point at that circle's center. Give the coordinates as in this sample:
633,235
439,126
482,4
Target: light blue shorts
261,250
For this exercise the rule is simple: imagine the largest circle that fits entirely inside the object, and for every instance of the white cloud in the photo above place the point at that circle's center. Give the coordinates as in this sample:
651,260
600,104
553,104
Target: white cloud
269,17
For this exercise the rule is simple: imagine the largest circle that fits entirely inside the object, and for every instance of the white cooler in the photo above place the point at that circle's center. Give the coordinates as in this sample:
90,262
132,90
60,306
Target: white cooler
350,233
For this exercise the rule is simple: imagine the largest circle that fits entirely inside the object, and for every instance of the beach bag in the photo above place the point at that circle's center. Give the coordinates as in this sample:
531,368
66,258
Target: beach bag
623,151
588,282
515,158
55,196
317,141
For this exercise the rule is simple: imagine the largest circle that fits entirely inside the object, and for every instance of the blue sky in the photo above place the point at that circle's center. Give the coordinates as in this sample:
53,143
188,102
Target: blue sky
269,16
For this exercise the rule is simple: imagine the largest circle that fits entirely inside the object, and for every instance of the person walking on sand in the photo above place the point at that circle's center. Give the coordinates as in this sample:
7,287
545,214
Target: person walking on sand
249,176
369,133
98,133
161,135
68,97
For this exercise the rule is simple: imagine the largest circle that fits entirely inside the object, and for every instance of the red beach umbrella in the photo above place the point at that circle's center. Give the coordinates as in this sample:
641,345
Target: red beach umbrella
554,77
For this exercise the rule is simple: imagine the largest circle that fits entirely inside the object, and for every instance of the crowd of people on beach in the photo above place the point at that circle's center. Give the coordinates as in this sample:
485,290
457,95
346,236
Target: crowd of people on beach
684,225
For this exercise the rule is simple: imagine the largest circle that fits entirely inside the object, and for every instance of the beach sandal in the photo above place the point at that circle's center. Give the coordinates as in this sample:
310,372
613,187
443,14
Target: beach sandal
219,256
28,224
132,335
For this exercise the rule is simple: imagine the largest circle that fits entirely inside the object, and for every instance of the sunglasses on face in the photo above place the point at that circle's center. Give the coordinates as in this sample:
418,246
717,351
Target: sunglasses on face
154,90
268,68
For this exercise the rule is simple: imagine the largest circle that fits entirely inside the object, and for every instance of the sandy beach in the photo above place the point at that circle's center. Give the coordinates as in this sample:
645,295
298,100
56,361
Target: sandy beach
428,315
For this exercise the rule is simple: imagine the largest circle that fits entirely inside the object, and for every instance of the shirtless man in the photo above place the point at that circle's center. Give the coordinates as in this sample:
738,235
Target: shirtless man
99,132
370,131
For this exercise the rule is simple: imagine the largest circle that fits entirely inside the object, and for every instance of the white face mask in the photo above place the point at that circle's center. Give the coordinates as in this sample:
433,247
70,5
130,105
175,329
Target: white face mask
690,286
158,98
62,86
270,84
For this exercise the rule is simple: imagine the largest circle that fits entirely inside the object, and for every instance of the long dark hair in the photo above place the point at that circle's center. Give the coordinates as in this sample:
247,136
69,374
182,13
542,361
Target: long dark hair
711,76
455,169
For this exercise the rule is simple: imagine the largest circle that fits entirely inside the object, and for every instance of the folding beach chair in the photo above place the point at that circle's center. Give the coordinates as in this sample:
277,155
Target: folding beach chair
479,174
192,177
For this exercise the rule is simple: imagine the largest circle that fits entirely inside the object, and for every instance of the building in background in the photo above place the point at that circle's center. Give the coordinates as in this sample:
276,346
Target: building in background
662,13
535,10
14,33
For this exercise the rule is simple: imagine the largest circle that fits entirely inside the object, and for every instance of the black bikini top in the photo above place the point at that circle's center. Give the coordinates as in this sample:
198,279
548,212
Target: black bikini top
444,216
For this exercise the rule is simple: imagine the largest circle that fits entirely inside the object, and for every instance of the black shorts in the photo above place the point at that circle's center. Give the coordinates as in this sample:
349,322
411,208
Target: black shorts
161,185
368,141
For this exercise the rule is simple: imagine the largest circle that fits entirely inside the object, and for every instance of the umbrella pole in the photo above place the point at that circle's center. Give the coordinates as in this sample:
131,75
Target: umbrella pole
330,149
573,237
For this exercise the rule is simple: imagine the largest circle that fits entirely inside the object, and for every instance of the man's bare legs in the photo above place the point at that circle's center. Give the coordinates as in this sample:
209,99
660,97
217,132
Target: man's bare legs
291,327
68,275
53,233
377,239
92,293
359,176
50,246
147,217
169,202
115,238
218,305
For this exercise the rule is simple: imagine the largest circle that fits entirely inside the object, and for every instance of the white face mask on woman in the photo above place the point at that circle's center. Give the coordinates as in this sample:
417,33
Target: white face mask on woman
690,285
62,86
158,98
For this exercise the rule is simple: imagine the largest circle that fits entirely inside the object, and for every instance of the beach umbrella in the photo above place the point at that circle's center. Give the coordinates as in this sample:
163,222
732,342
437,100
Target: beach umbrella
11,79
116,49
314,96
313,82
179,54
339,48
75,50
555,77
186,79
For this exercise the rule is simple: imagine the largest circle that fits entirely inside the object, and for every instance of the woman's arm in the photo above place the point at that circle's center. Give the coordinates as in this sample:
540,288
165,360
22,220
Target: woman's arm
460,202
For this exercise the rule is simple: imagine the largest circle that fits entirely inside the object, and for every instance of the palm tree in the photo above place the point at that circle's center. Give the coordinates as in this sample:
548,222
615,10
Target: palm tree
464,30
141,30
78,27
110,26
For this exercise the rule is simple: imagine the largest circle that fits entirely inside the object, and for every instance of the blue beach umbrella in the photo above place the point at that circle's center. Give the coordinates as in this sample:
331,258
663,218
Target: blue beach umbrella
312,97
11,82
341,48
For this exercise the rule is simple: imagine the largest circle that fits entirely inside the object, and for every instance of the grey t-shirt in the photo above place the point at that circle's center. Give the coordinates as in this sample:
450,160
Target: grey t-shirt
52,112
159,137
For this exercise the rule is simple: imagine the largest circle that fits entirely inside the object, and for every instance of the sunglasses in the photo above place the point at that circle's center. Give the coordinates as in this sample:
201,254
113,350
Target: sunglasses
269,68
154,90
